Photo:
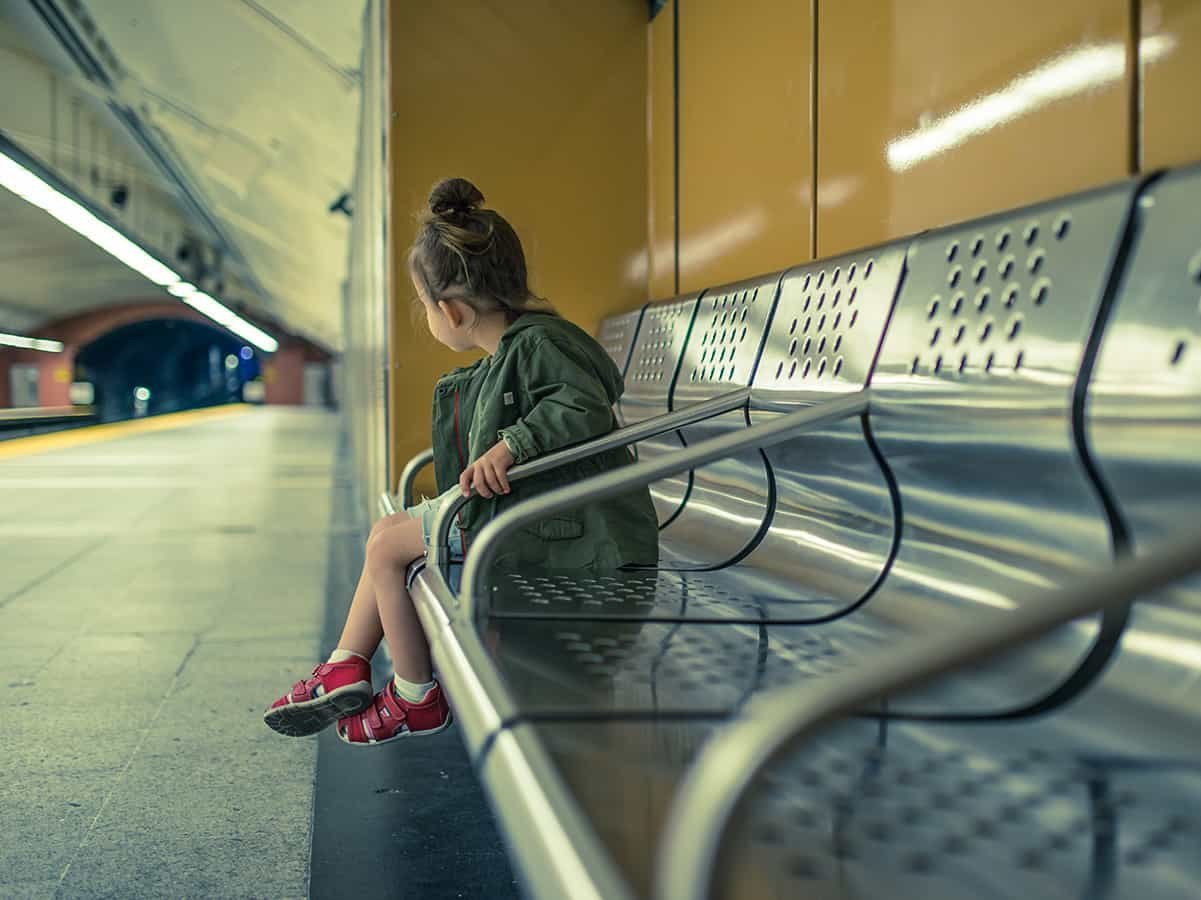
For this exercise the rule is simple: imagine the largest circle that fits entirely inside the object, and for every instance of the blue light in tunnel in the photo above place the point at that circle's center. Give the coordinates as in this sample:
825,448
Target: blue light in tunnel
246,353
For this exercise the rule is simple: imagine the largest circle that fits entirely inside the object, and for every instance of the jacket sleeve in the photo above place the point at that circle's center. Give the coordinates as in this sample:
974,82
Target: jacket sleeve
568,404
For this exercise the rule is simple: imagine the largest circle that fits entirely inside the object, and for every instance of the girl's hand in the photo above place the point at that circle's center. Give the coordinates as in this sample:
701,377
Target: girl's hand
487,474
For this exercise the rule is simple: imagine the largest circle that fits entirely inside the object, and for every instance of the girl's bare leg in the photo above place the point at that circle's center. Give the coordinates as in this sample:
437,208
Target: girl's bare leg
363,631
389,552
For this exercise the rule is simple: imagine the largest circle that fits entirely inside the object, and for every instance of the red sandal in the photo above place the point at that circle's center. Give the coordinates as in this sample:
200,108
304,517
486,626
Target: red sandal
332,692
390,717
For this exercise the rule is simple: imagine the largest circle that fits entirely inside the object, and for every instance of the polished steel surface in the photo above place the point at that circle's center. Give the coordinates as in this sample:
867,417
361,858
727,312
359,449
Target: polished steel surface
562,856
975,389
616,335
722,353
564,668
654,365
1144,400
834,524
478,566
806,718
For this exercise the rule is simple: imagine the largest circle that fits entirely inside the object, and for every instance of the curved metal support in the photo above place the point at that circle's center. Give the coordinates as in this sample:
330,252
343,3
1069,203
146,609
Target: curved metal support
404,488
439,553
627,478
775,722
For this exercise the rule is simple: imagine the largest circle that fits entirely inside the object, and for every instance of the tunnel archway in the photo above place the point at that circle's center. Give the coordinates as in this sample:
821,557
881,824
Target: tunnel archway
164,365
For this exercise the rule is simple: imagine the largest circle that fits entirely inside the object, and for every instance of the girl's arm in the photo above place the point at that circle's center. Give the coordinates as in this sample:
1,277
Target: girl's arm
567,404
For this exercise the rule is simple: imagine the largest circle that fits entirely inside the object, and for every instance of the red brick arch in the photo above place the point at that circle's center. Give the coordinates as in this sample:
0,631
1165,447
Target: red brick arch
283,374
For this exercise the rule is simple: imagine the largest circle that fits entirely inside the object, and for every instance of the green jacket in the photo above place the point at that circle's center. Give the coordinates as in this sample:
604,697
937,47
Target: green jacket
549,385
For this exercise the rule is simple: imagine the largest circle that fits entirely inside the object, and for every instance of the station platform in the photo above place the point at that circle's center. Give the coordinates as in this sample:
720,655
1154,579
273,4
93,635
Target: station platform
160,582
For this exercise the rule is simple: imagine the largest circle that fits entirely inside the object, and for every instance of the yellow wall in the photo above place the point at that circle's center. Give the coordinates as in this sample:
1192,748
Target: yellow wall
745,138
661,150
1170,54
917,114
933,111
543,106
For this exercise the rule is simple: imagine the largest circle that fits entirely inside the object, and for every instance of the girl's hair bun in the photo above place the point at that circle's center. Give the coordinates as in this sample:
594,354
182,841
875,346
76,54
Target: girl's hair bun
454,195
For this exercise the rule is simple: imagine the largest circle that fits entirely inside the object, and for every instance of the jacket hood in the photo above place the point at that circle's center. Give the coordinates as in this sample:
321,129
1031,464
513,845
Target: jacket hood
567,333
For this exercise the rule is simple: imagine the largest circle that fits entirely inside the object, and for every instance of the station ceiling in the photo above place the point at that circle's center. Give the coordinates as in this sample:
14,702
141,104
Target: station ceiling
259,99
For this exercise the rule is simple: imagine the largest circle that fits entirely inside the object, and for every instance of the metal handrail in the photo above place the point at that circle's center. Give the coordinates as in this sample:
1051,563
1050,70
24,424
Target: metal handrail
404,487
777,721
439,551
619,481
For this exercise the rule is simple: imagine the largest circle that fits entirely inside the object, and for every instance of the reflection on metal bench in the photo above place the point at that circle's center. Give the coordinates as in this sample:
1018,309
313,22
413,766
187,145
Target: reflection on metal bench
1014,408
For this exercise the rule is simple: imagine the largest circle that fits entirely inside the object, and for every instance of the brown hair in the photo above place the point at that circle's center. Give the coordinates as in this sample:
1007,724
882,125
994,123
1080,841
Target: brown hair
467,253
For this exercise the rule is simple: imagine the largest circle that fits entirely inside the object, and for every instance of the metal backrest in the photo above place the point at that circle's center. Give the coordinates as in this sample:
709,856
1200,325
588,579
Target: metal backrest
828,327
655,358
654,364
727,338
833,527
722,353
972,405
617,334
1144,429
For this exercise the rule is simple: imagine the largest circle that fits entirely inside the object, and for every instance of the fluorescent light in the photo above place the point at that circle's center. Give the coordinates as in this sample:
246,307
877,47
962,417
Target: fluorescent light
28,343
28,186
1062,77
226,317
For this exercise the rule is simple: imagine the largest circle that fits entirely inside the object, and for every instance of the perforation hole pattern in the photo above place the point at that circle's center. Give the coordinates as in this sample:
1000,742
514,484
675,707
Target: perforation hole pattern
657,350
997,284
819,324
728,329
937,813
615,335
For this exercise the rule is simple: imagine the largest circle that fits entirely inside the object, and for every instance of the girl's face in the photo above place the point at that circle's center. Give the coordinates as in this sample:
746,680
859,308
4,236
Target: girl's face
449,321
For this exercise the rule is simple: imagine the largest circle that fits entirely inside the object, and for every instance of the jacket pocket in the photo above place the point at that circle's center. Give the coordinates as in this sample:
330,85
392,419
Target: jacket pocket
560,528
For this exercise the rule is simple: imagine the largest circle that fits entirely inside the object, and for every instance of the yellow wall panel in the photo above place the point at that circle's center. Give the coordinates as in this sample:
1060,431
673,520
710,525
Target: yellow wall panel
543,106
1170,56
661,160
931,112
745,138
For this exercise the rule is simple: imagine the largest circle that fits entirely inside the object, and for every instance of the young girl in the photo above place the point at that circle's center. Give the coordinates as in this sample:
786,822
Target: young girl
543,384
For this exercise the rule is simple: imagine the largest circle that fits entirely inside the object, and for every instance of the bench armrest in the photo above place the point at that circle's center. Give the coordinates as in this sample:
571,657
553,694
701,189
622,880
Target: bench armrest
627,478
621,437
777,721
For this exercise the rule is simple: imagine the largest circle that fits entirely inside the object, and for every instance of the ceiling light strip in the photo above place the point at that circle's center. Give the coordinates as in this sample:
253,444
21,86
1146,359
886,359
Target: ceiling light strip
35,190
28,343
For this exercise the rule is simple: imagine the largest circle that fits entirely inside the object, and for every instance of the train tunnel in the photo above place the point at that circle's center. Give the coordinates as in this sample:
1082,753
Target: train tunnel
665,449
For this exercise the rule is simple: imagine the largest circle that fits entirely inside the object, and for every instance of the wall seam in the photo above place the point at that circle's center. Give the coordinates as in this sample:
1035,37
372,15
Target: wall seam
813,72
675,83
1135,160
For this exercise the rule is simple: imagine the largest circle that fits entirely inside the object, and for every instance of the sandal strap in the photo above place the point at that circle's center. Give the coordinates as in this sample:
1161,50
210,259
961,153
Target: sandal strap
381,727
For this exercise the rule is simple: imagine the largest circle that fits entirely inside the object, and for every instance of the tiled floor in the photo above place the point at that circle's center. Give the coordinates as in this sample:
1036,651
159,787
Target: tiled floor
156,591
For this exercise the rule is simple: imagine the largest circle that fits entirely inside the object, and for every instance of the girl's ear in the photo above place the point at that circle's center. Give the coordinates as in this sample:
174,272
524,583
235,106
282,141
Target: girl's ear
452,311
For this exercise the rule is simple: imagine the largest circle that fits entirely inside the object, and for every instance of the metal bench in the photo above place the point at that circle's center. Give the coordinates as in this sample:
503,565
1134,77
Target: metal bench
1098,797
966,476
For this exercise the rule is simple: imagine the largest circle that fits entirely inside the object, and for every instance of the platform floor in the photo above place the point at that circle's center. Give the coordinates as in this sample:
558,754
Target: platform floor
157,589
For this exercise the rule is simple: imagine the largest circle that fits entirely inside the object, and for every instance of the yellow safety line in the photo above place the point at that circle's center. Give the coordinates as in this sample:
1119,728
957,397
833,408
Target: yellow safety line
77,437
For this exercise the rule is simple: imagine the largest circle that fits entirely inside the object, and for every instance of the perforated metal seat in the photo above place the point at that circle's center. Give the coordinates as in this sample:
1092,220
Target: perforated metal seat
654,362
617,335
981,445
805,529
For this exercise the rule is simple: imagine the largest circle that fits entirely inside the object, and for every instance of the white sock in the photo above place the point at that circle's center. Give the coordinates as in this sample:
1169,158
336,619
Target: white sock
341,655
414,693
